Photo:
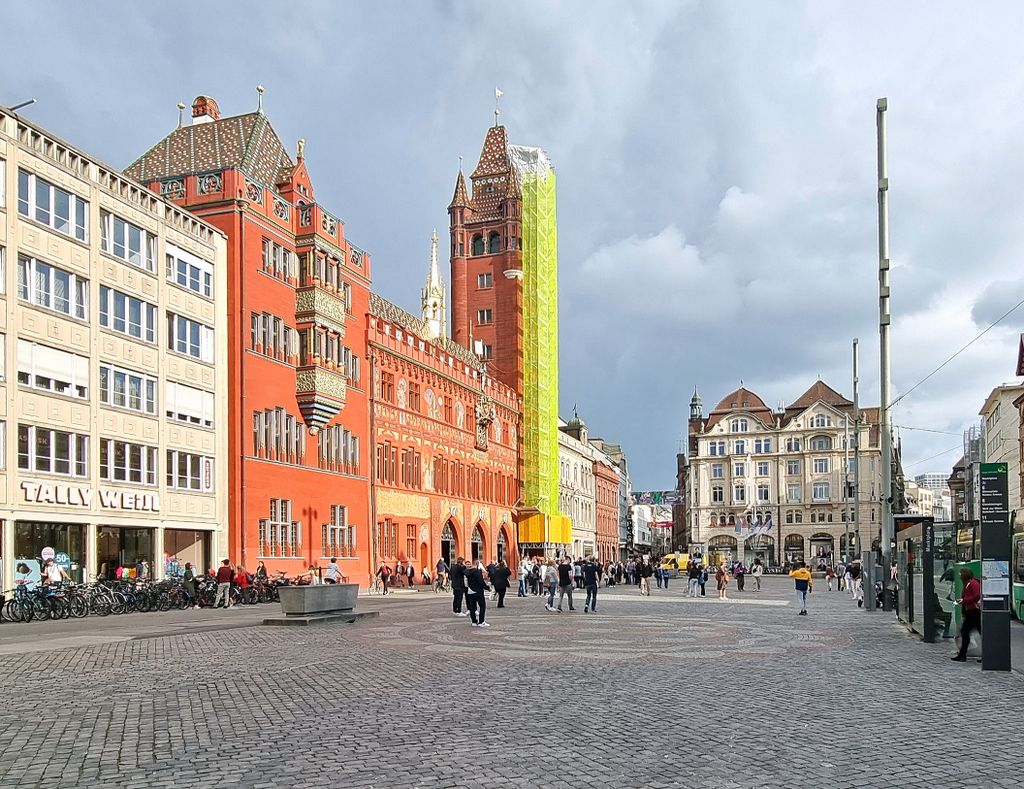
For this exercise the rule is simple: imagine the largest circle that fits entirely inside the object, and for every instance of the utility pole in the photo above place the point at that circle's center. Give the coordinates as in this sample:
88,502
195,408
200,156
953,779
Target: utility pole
856,442
846,552
884,320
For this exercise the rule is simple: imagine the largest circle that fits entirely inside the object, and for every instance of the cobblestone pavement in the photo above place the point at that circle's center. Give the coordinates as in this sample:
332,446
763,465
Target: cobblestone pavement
650,692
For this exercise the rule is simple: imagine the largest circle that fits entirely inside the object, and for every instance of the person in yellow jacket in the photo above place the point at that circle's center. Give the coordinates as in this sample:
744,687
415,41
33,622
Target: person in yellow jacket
802,576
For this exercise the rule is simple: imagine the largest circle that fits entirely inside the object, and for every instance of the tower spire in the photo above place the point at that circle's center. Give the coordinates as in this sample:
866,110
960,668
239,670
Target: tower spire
433,301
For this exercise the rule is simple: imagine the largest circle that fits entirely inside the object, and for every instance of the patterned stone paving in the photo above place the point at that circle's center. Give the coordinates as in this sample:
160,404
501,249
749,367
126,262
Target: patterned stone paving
656,692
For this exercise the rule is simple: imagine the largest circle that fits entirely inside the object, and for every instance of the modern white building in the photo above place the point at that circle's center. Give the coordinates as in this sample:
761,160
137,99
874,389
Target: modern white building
577,495
777,483
113,366
933,480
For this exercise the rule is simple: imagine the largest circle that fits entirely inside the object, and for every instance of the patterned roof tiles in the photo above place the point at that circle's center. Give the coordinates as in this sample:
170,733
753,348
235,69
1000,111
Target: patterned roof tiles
246,142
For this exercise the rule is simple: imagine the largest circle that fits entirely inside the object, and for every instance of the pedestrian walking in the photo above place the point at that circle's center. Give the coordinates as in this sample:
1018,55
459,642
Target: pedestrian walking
550,582
189,582
591,582
693,571
802,578
830,577
657,575
848,578
644,571
740,571
841,576
476,594
410,574
524,574
565,583
224,576
722,581
756,572
500,581
384,573
970,605
703,580
577,574
458,576
855,578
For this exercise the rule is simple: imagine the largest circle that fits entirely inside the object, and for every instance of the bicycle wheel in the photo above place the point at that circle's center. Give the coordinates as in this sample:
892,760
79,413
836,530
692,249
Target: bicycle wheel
78,607
40,609
119,604
18,611
99,605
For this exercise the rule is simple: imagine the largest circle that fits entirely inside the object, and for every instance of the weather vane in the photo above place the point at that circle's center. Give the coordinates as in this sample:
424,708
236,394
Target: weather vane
497,110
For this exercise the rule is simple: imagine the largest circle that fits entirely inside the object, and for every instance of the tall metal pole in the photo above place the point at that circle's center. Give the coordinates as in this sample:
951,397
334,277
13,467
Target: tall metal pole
845,554
884,320
856,443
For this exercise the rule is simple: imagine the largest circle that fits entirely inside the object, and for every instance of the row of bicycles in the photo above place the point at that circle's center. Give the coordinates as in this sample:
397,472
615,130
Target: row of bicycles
104,598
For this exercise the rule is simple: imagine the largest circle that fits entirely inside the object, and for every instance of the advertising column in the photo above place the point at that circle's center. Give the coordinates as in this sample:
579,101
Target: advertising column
995,568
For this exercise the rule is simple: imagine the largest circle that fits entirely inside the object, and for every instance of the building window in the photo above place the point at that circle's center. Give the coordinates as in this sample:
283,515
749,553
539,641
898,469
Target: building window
53,288
272,337
792,444
54,207
717,494
186,471
346,296
413,398
821,465
278,435
739,447
121,461
484,317
820,491
189,271
793,494
493,244
387,538
129,242
351,363
792,467
820,443
487,351
716,447
187,404
410,469
717,471
762,493
739,494
484,281
446,405
410,541
338,449
762,445
387,463
189,337
279,262
127,314
762,469
820,420
387,387
3,270
339,535
739,469
53,451
3,183
478,244
279,535
739,426
126,389
53,370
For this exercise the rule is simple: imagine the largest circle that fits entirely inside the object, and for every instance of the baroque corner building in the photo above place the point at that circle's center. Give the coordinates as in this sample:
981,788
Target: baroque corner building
298,293
504,264
114,429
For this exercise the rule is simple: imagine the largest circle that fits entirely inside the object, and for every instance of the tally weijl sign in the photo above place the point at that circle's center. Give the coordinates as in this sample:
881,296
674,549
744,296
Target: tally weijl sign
80,496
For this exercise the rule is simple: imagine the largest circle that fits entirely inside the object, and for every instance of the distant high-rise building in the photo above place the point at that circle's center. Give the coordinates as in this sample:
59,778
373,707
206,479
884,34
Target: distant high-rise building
933,480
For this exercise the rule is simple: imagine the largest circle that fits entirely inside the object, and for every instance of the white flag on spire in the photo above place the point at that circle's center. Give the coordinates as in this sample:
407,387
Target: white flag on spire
497,93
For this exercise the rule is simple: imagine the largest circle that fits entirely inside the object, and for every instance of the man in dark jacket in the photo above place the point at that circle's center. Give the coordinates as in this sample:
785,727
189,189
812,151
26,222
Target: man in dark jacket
476,595
500,576
458,574
591,582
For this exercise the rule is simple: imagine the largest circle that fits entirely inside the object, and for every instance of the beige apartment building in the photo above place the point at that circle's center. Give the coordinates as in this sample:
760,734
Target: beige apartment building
113,367
775,483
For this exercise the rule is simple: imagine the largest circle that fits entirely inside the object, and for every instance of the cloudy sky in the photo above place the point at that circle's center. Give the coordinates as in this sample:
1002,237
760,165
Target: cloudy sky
717,215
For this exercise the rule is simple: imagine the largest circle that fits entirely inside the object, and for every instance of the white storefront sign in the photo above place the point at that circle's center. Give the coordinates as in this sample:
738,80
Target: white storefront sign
83,496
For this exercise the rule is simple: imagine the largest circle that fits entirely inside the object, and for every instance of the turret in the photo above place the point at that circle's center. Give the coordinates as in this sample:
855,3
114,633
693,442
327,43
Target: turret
433,297
696,406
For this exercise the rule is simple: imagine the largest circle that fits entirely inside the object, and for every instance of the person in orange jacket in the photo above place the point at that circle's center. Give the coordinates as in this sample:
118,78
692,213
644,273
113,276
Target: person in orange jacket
802,576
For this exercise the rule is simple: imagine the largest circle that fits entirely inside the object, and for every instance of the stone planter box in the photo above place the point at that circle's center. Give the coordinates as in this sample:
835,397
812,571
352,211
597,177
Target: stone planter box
317,604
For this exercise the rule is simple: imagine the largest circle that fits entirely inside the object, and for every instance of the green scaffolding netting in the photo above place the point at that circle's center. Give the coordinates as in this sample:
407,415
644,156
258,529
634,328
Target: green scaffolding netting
540,336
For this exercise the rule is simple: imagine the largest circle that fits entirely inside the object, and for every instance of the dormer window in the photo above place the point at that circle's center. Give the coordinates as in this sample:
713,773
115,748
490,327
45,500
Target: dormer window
820,420
739,426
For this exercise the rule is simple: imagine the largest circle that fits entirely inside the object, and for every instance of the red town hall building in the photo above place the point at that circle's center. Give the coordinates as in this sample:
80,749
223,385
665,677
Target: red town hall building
321,446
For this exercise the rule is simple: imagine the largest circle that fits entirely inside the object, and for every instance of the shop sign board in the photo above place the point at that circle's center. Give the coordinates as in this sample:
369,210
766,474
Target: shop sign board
84,496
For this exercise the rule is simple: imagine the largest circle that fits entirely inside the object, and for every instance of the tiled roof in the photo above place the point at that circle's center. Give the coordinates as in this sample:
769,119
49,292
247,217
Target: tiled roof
494,155
460,198
391,312
819,391
245,142
491,176
741,399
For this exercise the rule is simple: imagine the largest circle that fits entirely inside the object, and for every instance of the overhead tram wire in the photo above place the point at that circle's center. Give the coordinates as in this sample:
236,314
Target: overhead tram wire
985,331
932,457
927,430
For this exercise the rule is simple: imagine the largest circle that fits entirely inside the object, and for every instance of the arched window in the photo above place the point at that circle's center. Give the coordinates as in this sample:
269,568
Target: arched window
789,516
493,243
739,426
799,517
732,520
477,544
819,443
478,244
820,420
